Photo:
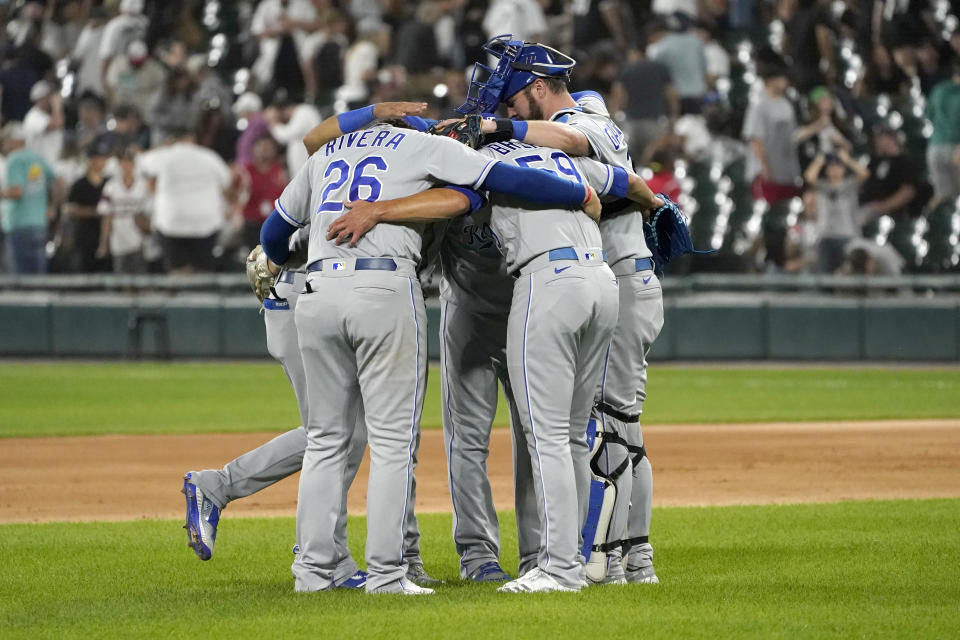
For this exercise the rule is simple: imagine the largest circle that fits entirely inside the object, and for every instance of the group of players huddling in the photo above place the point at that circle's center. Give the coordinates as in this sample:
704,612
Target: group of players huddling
544,290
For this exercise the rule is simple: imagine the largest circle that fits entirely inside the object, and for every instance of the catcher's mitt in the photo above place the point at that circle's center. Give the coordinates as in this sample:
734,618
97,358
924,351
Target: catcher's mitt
466,131
667,235
259,274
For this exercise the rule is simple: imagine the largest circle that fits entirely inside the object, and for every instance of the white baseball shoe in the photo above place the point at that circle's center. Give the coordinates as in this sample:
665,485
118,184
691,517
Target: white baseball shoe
615,574
403,586
639,568
535,581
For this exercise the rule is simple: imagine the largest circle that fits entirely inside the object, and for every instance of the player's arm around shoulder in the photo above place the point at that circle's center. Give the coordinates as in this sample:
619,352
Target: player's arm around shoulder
542,133
613,182
350,121
427,206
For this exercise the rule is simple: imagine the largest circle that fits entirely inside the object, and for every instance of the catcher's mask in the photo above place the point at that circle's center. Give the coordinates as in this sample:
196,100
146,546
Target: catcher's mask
519,64
466,131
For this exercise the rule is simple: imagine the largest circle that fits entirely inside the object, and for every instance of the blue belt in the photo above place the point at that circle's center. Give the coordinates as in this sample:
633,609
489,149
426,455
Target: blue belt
568,253
362,264
287,277
644,264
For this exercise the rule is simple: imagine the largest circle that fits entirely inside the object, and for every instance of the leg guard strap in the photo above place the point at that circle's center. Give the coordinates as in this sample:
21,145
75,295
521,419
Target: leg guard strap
639,451
603,407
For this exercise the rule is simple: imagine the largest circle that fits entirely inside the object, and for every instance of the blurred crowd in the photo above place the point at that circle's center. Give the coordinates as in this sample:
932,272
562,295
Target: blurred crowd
799,135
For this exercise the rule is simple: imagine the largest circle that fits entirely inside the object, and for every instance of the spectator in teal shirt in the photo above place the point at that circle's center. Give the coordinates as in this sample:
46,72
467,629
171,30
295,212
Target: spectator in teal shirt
943,110
27,183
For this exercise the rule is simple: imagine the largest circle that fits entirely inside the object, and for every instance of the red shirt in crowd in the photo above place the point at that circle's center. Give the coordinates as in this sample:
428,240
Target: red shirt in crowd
262,189
665,182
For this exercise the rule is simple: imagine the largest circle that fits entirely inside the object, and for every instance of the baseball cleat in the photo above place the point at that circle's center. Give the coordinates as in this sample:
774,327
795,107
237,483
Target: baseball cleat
642,575
403,586
489,572
357,581
615,573
535,581
416,573
639,567
202,519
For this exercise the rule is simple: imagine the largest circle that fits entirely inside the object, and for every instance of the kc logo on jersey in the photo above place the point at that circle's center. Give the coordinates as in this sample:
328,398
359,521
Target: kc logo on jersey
616,136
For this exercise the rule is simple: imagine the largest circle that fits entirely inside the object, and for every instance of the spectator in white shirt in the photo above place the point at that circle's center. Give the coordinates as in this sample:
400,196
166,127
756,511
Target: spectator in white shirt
125,209
43,124
288,124
190,205
86,54
523,19
360,64
272,20
120,31
135,78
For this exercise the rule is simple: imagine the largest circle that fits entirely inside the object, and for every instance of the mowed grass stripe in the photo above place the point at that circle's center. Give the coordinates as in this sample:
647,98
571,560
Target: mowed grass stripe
855,569
52,399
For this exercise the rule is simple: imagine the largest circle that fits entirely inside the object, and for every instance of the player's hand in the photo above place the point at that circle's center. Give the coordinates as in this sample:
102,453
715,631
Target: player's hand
361,216
386,110
488,125
591,204
444,123
658,203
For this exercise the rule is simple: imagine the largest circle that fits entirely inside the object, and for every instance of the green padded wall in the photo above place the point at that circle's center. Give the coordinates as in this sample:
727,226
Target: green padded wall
711,328
808,330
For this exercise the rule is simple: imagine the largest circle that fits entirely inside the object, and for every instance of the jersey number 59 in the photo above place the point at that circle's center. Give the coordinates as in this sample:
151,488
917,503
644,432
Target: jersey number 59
561,161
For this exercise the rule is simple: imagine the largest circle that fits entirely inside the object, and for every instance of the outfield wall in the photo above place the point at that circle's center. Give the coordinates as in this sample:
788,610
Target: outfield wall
706,326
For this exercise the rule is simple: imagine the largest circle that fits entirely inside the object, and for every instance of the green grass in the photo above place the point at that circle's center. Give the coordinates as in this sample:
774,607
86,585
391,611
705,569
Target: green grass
53,399
855,569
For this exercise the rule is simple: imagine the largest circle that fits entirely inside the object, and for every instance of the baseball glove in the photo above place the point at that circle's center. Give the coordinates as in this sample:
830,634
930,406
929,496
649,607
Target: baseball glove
466,131
259,274
667,235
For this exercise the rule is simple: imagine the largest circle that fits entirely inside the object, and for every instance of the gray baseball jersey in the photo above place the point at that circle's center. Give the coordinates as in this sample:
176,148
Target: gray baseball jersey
474,272
623,232
526,230
378,163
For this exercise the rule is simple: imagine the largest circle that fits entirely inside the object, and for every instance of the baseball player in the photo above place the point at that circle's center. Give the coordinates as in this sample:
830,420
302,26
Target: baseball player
362,330
533,85
475,294
529,234
209,491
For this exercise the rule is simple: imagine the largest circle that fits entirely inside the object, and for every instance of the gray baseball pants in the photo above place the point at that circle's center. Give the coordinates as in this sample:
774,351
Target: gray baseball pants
283,456
623,388
559,328
473,358
363,341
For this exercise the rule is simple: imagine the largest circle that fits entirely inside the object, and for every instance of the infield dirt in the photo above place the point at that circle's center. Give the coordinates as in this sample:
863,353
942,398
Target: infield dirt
133,477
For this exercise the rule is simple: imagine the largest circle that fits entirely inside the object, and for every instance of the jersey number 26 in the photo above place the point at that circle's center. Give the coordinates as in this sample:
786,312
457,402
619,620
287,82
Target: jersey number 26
357,179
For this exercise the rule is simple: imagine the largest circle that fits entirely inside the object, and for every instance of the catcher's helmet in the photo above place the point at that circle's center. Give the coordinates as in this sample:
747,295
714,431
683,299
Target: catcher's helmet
466,131
520,63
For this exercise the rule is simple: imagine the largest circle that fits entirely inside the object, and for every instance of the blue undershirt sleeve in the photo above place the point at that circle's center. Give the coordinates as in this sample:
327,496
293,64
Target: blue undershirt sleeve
621,183
418,123
534,185
476,200
274,237
351,121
